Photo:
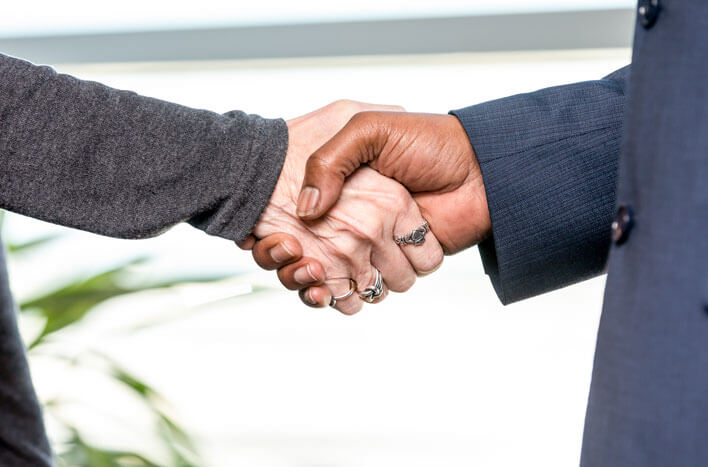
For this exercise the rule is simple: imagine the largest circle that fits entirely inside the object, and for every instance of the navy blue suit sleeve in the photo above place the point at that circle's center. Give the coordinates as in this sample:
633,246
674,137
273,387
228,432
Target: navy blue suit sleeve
549,163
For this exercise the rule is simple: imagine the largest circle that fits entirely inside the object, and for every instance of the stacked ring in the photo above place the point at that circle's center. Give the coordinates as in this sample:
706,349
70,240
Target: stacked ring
374,291
352,289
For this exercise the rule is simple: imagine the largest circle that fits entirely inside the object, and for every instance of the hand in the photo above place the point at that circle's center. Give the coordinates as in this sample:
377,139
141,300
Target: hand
429,154
354,236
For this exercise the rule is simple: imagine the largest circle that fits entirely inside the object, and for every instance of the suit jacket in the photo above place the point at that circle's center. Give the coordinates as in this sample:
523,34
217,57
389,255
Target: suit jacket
614,174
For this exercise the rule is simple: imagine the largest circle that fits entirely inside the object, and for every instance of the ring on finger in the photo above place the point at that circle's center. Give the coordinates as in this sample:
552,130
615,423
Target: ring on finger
414,237
373,291
352,289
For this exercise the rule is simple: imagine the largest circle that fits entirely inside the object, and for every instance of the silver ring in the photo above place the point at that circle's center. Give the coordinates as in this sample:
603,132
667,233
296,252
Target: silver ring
352,288
415,237
373,292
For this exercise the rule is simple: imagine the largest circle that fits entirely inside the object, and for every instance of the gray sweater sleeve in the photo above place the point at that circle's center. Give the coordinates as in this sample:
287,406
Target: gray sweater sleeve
549,163
83,155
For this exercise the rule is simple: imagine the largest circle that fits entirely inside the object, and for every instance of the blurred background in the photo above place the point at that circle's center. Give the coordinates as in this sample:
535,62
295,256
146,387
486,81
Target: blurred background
178,351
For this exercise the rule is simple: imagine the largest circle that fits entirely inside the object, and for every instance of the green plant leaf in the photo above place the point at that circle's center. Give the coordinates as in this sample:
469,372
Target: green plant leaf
176,433
36,243
83,454
132,382
179,444
70,304
176,439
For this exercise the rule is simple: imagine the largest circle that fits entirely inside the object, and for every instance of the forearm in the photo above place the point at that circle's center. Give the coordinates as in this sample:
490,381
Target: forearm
549,166
112,162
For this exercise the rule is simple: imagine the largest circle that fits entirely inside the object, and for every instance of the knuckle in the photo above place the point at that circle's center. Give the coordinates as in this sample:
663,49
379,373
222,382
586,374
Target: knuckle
402,285
391,108
319,165
401,198
431,262
372,232
350,248
364,278
346,106
350,307
316,162
408,283
344,103
363,115
402,194
362,119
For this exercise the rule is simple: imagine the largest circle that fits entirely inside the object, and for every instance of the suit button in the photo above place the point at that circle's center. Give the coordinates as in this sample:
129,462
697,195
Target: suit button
622,224
648,12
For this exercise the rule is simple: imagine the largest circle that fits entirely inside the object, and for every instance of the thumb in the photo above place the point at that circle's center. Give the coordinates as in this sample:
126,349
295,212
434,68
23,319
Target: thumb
359,142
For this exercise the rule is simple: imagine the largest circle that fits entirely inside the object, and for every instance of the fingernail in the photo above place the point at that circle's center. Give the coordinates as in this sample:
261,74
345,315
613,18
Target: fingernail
309,299
280,253
304,275
308,201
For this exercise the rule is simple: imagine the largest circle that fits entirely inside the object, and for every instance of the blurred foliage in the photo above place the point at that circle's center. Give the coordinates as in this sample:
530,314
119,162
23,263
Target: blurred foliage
67,307
19,248
71,303
81,453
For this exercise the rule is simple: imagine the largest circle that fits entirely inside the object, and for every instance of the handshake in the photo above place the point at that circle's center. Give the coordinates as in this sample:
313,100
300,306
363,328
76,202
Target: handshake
369,198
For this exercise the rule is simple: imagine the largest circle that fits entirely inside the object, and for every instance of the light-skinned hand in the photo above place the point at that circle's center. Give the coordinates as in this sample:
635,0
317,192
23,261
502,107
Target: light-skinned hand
353,237
429,154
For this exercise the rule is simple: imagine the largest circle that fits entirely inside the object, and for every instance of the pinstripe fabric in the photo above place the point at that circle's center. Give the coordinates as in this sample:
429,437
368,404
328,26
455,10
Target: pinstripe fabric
549,160
549,163
648,405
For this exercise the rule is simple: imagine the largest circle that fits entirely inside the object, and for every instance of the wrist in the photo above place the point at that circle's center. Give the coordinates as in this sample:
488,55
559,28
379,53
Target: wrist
477,208
459,218
471,223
